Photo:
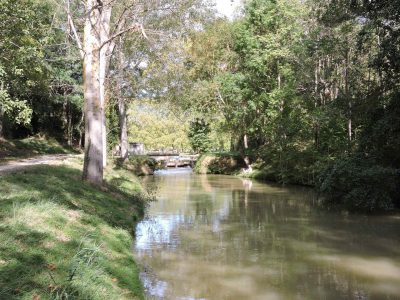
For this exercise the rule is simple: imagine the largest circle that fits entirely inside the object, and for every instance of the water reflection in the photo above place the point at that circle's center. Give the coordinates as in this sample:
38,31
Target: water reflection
220,237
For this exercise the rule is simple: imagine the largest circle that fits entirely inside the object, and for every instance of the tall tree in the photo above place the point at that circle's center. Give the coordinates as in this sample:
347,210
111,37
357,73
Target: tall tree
97,47
138,65
94,110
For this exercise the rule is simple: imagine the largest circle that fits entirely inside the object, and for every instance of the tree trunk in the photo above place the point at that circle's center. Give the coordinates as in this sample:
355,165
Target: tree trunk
245,142
65,118
93,162
1,121
122,114
80,144
103,116
245,157
123,136
70,129
104,36
349,121
348,96
316,125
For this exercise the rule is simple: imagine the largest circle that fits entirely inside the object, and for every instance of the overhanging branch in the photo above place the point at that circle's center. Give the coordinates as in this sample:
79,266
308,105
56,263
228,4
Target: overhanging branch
136,26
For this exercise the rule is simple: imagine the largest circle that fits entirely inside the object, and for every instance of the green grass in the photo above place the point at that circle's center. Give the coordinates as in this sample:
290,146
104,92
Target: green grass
12,149
62,238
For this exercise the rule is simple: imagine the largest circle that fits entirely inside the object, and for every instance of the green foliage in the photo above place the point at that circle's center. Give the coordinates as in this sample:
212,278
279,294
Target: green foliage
380,136
359,185
298,84
158,126
198,135
219,163
250,70
295,165
139,164
113,131
39,73
305,84
14,109
22,65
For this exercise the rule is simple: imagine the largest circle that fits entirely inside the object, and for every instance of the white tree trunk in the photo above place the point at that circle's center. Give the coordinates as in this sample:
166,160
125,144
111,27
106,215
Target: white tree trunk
103,106
245,157
349,122
123,127
93,162
104,36
348,96
122,114
245,142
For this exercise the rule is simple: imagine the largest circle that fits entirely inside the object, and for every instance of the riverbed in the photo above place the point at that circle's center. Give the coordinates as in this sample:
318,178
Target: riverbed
223,237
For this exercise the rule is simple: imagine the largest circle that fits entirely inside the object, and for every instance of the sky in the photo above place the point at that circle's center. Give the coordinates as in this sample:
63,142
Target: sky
227,7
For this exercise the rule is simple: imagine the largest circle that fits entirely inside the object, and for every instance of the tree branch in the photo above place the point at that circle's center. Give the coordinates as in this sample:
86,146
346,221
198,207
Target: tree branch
136,26
74,31
77,39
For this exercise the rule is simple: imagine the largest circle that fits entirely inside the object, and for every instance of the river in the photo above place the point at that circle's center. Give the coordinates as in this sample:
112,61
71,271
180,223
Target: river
222,237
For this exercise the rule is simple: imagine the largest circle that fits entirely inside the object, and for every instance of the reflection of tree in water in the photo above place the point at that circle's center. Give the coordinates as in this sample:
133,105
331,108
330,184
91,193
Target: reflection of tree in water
291,237
275,237
150,185
204,207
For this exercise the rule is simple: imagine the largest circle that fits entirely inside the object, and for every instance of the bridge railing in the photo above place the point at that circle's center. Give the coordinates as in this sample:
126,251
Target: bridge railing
162,153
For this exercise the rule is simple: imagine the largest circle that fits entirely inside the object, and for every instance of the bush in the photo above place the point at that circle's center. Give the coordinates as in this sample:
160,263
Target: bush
359,185
219,163
139,164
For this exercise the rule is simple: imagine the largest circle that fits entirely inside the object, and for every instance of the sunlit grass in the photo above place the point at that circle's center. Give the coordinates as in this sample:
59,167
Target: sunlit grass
64,239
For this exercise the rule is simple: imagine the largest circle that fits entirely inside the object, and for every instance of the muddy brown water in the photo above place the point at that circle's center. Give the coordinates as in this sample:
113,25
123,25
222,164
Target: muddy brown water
221,237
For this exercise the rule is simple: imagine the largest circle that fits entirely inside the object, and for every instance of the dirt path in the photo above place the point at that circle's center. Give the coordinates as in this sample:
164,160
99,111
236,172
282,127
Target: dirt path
21,164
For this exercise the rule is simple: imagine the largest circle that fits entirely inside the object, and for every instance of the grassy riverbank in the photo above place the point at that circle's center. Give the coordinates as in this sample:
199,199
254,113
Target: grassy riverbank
62,238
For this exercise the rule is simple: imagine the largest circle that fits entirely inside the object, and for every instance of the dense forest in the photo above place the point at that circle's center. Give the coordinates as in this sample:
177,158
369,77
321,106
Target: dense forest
309,92
306,92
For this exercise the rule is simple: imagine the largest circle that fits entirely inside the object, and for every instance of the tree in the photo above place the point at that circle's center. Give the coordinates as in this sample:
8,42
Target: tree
22,30
199,131
96,48
101,30
139,68
158,125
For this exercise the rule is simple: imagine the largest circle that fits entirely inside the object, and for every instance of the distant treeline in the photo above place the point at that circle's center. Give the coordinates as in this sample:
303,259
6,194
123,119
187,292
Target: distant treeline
309,91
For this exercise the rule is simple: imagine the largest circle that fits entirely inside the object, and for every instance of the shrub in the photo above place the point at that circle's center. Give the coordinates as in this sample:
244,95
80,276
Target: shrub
219,163
359,185
139,164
